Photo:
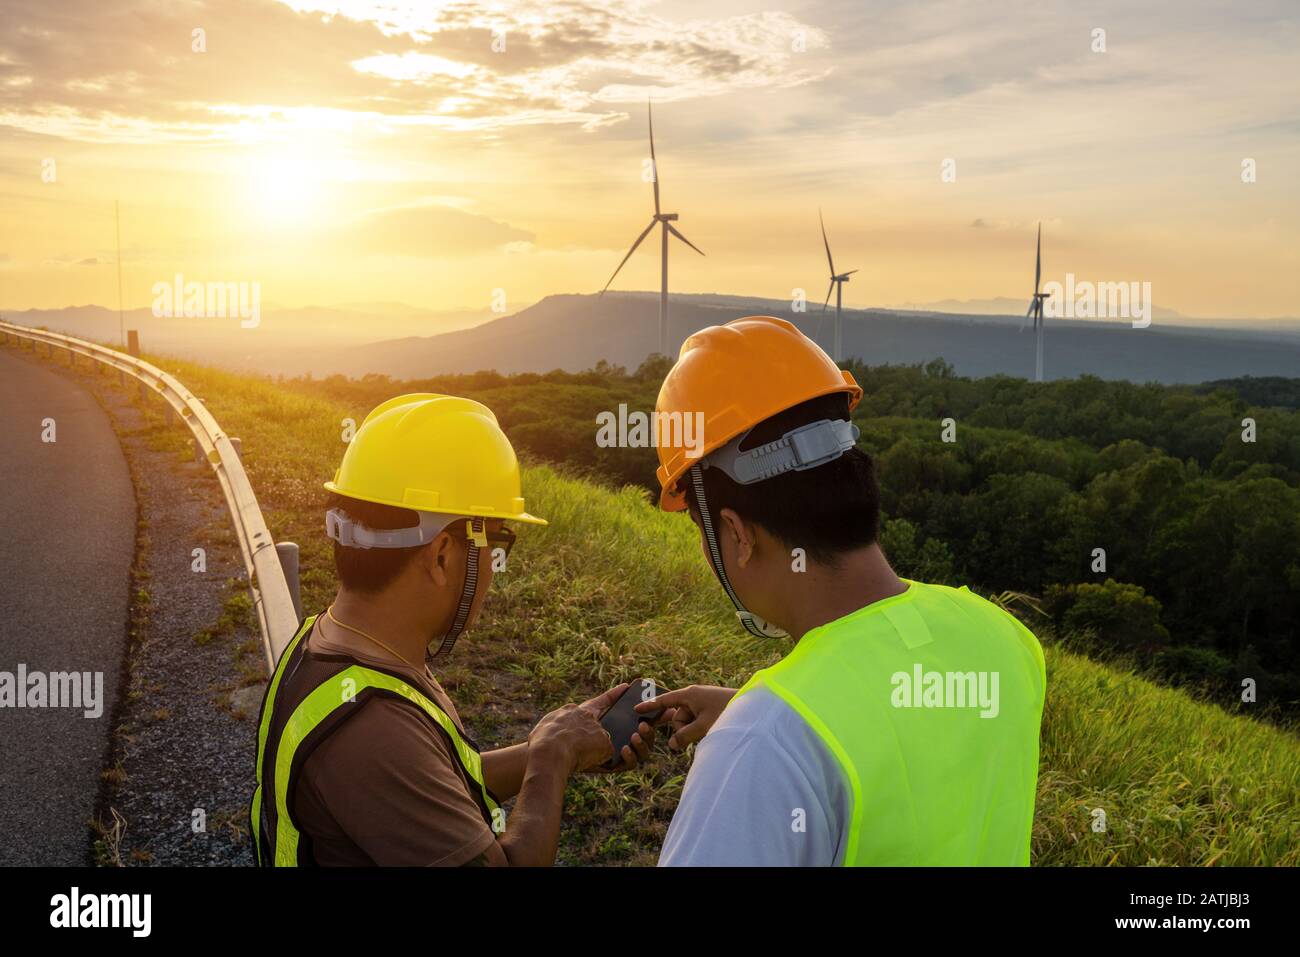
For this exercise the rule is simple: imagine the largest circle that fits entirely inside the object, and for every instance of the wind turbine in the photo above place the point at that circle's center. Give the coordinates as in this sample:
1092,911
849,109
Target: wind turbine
837,284
666,221
1036,310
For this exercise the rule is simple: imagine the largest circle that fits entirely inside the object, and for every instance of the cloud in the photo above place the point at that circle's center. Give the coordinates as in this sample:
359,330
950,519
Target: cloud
426,230
62,261
126,72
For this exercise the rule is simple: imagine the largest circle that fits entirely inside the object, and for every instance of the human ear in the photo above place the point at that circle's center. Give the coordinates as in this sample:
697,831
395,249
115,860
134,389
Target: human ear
734,526
438,558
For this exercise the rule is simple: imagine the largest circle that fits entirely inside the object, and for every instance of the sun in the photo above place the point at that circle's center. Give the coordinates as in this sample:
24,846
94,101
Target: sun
284,189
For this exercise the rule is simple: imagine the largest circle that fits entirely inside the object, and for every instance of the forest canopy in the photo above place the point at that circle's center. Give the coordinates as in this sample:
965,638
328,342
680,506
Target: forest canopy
1160,524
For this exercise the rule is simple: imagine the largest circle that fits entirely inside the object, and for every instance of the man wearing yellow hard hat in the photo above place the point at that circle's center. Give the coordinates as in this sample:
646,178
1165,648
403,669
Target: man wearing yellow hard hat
902,727
361,757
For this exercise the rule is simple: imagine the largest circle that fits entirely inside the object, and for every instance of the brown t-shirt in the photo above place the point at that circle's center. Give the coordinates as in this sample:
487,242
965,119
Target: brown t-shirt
383,788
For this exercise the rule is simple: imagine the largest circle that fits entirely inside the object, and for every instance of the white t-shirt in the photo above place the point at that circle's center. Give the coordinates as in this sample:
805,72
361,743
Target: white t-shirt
764,791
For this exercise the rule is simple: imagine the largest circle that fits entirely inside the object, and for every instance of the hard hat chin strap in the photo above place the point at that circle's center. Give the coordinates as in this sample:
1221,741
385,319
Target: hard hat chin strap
753,624
476,539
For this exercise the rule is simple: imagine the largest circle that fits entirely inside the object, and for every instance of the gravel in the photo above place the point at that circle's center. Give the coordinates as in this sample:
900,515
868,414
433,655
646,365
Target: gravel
186,753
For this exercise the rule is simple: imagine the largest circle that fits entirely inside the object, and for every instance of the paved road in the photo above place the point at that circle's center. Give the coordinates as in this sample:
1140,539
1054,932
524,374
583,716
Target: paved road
67,539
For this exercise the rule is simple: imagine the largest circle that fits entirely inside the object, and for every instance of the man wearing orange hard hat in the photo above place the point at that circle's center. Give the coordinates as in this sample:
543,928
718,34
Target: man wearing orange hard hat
902,728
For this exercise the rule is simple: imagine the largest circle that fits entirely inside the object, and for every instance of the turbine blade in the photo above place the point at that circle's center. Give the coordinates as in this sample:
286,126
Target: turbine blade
1038,262
850,272
644,234
826,242
829,289
654,163
673,229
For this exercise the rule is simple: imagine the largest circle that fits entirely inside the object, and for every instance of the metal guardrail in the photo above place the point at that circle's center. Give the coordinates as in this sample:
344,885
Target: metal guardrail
273,598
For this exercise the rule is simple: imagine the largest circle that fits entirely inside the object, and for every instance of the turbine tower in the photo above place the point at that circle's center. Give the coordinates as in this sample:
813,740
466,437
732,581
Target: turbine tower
1036,310
665,220
837,285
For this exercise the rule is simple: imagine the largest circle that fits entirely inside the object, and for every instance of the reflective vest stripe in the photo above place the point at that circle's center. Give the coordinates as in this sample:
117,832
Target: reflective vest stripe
339,691
268,705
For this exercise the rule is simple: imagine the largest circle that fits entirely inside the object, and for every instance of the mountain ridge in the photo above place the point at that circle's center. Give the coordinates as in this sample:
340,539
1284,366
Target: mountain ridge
573,331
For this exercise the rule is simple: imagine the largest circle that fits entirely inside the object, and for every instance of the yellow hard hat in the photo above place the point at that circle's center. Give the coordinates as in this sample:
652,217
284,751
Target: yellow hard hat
434,453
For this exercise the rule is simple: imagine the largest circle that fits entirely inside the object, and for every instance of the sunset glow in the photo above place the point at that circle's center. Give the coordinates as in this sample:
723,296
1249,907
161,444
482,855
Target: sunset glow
348,151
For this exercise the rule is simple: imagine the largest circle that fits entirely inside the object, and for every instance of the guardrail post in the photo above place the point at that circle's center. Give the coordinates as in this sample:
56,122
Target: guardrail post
239,451
288,555
133,347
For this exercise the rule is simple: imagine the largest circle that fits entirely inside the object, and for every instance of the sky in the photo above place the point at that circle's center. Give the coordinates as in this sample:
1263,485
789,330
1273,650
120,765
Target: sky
456,155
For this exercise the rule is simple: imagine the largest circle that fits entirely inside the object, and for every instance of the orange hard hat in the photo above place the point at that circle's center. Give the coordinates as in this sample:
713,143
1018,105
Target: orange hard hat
737,375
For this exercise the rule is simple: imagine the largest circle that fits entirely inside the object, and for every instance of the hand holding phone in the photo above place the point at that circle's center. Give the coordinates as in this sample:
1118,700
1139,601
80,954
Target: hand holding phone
622,719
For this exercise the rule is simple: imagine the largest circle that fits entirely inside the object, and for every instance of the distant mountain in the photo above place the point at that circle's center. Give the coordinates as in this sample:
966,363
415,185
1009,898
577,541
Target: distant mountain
574,332
279,334
1001,306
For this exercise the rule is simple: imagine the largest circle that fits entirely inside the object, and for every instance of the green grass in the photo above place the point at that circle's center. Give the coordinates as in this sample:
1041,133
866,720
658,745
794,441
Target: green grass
615,589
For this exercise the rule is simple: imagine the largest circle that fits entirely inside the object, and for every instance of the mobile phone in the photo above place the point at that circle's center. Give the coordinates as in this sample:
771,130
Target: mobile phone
622,718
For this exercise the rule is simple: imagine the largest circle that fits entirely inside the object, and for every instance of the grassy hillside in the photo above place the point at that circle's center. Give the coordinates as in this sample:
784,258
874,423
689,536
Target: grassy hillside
614,589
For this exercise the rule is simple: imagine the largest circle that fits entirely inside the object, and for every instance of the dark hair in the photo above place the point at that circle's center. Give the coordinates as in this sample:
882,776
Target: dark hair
827,510
372,569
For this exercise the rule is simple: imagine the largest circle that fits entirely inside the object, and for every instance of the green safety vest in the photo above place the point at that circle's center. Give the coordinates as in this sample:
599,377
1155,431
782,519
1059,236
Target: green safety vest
309,696
930,780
